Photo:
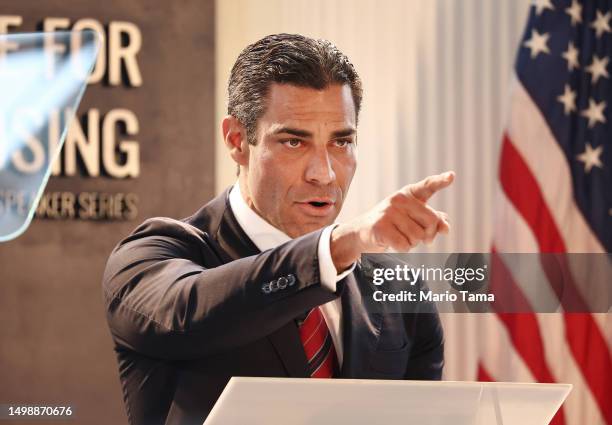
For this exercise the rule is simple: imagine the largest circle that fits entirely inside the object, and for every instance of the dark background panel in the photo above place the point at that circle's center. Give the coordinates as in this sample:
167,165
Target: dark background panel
55,346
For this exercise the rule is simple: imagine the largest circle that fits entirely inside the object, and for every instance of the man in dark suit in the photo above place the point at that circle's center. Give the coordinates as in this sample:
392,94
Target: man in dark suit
260,281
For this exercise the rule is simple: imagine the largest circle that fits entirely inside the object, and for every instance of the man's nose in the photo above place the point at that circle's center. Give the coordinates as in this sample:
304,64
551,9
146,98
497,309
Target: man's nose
319,169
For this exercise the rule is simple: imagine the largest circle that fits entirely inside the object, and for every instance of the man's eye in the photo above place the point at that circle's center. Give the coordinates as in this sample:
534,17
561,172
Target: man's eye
342,143
293,143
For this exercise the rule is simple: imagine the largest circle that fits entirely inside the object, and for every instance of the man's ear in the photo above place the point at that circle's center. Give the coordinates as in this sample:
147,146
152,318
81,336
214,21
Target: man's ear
235,138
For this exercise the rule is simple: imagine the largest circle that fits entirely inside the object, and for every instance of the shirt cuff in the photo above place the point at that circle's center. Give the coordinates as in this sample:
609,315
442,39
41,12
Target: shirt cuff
327,270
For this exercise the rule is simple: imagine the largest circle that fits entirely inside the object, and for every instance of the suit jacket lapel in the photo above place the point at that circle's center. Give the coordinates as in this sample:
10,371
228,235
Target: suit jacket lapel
287,343
231,237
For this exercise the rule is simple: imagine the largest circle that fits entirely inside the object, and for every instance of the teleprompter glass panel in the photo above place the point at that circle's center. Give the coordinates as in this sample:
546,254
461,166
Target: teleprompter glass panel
42,80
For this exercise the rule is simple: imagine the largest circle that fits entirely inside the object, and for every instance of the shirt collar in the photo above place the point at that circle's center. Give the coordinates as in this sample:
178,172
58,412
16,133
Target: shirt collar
263,234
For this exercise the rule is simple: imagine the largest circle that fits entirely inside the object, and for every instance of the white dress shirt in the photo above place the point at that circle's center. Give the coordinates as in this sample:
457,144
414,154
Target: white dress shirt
265,236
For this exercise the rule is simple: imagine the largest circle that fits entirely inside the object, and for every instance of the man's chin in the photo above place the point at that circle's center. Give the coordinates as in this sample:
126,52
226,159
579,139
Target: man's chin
305,228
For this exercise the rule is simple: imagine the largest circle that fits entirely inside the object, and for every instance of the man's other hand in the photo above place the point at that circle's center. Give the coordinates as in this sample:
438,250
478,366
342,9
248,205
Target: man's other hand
399,222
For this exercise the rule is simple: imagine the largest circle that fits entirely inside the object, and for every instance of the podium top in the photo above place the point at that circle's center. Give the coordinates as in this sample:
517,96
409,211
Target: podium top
299,401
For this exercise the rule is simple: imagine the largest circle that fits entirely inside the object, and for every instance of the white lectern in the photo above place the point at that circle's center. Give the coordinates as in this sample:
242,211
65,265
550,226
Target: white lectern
290,401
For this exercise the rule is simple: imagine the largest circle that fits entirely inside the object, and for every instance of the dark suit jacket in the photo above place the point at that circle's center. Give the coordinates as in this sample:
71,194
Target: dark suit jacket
187,311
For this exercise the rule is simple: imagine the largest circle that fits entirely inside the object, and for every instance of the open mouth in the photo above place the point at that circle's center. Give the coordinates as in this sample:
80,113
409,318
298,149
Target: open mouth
317,207
318,204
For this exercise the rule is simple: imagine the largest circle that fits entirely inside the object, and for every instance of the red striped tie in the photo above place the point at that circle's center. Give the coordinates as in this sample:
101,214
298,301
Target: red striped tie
318,345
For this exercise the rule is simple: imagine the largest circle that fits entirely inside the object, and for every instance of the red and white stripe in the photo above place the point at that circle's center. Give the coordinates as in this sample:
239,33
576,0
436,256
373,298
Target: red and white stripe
318,345
536,212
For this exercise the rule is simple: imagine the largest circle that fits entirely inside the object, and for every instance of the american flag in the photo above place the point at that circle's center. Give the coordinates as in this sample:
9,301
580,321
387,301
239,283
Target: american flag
555,195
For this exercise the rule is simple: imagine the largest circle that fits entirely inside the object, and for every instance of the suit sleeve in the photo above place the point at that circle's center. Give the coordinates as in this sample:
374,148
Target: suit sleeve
163,302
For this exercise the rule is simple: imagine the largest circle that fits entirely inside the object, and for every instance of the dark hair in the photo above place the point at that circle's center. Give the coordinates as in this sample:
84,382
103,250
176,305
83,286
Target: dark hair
290,59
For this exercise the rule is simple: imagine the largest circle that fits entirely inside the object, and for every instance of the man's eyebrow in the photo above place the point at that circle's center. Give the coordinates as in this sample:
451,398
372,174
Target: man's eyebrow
293,131
344,132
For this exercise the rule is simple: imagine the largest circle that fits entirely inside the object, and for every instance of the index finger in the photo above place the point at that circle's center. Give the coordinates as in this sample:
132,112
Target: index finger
424,189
